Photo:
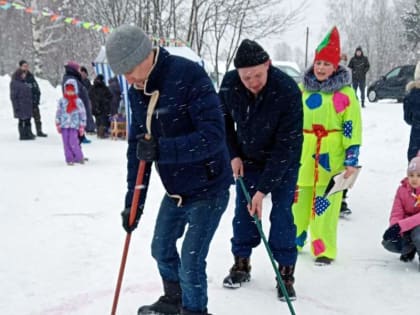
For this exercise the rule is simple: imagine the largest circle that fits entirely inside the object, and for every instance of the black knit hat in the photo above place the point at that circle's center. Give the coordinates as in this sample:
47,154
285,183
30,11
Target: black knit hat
250,54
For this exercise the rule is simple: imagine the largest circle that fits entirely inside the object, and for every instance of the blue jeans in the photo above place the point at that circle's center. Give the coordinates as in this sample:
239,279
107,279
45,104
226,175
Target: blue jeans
202,217
282,230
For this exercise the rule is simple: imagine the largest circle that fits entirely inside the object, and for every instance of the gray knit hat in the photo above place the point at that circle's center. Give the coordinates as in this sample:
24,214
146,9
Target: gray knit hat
126,47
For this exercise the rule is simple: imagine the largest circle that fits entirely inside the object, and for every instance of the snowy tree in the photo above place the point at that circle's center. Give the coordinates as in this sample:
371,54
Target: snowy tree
411,21
376,27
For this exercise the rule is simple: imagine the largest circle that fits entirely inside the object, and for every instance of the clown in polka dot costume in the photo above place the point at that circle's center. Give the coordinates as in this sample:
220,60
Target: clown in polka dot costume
332,138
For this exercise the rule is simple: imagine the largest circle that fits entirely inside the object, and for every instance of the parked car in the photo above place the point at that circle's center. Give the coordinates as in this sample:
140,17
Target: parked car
391,85
290,68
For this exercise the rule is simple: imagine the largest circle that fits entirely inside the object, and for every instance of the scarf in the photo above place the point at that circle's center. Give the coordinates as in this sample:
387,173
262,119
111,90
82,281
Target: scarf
71,106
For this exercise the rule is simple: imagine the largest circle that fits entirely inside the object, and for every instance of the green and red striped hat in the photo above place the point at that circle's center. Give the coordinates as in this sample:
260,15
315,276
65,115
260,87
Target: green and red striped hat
329,49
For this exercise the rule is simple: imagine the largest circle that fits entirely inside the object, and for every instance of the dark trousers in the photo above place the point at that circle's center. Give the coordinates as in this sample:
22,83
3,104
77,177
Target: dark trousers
409,241
282,230
414,145
361,84
202,218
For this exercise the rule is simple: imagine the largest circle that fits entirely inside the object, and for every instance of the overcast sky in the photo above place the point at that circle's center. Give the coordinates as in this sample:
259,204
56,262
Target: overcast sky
314,17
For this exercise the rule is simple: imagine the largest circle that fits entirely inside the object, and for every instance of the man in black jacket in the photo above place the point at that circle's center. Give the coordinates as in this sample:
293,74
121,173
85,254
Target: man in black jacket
36,97
263,115
359,65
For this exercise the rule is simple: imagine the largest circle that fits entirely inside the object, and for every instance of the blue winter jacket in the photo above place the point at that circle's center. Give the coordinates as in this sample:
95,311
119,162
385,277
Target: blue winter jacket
264,131
187,123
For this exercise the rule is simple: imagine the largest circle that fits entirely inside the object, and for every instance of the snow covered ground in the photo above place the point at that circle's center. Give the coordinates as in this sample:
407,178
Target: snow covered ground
62,240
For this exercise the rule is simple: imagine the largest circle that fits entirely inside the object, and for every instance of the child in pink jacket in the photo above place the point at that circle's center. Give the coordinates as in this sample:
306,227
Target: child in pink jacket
403,235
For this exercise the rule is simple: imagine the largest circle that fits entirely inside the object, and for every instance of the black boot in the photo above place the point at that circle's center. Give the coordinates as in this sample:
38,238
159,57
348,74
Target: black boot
344,210
39,132
27,132
240,272
286,273
168,304
21,126
407,257
29,126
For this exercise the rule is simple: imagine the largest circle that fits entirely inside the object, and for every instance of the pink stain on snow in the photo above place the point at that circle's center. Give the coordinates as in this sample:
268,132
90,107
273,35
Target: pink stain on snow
340,101
319,247
77,303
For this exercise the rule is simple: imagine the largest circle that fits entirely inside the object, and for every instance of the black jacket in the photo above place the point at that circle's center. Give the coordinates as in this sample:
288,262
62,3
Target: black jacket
359,66
101,97
266,131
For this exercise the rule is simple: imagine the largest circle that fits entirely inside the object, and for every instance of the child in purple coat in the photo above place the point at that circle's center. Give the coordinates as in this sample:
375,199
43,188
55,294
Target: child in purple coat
70,120
403,235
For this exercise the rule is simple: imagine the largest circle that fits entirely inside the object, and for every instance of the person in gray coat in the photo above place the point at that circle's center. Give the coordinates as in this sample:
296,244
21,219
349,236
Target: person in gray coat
21,97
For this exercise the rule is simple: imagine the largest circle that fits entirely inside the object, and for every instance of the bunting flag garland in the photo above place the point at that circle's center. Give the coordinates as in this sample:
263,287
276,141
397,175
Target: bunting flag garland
55,17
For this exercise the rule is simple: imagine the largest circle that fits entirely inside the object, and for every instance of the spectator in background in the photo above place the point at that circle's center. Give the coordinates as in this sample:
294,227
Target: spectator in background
85,78
90,123
36,97
114,87
412,113
21,97
359,65
72,71
70,120
101,98
343,59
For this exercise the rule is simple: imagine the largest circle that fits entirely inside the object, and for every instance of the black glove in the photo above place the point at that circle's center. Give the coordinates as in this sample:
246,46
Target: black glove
392,233
147,149
126,217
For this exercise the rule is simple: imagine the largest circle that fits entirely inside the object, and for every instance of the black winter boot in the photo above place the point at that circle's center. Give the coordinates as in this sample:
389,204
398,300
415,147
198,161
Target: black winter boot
21,127
286,273
240,272
39,132
344,210
168,304
27,132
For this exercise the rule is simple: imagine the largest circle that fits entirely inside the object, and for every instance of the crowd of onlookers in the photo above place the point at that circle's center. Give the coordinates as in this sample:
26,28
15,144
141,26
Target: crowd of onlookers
85,108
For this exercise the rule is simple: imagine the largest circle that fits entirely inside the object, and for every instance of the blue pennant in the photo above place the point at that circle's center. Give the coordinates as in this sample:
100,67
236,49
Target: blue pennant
321,205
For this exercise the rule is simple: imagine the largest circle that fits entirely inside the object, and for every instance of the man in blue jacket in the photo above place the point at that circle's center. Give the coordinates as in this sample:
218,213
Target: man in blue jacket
173,103
263,114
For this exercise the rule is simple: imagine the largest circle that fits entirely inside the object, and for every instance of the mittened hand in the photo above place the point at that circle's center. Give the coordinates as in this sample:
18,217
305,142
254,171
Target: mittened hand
392,233
81,131
147,148
125,215
58,128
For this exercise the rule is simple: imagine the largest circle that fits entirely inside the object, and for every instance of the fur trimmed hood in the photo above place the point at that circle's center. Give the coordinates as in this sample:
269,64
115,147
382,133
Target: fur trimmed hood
339,79
412,85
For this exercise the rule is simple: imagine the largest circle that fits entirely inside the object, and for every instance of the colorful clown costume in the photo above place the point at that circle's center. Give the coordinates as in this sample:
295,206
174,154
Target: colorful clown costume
332,137
332,130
